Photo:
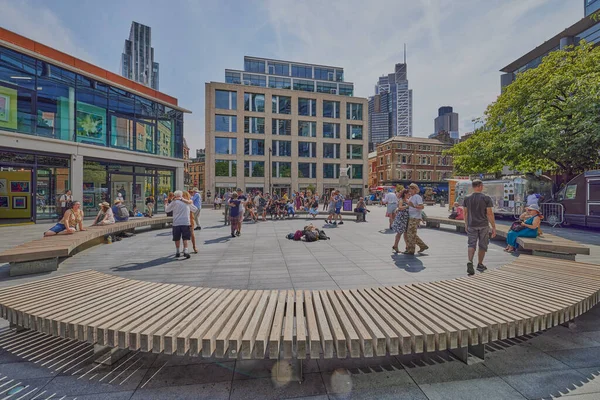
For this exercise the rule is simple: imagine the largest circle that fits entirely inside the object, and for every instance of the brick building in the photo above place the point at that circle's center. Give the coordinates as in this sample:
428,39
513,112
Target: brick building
403,160
197,177
373,160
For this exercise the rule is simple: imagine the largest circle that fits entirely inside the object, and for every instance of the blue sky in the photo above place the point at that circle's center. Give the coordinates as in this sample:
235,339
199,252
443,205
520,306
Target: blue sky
455,47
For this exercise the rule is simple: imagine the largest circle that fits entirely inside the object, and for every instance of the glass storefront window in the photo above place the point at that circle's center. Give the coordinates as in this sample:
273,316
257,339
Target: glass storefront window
90,118
145,137
39,98
55,102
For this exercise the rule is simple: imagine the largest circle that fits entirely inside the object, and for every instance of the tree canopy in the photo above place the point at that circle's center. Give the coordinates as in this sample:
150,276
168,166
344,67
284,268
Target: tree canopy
547,119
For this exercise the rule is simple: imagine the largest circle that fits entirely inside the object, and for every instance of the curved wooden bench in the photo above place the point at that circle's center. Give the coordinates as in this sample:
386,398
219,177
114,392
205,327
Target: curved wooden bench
528,295
546,245
44,254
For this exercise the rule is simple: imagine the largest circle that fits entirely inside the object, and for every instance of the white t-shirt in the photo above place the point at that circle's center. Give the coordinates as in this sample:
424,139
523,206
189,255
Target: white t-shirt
64,199
390,198
413,212
532,199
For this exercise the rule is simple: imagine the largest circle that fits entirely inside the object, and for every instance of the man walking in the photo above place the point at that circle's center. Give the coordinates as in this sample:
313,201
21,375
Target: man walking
226,202
415,208
181,221
197,200
479,215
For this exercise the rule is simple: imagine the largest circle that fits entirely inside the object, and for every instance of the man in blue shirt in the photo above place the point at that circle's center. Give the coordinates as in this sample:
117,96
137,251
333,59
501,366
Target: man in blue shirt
197,201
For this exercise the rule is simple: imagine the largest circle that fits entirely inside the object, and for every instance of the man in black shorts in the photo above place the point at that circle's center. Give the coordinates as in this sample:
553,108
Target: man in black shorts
181,209
479,215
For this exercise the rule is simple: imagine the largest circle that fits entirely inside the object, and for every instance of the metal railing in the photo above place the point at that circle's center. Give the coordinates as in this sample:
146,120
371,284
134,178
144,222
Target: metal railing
554,213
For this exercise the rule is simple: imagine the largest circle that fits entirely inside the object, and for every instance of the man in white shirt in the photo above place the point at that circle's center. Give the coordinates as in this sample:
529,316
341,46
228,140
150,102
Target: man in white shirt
391,201
415,209
532,198
181,221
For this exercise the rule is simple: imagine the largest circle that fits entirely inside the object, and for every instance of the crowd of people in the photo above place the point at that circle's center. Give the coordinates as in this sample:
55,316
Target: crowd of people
404,210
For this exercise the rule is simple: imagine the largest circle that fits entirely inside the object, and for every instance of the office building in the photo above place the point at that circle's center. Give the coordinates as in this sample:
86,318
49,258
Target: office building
586,29
591,6
137,60
281,126
67,124
403,160
390,109
380,118
447,121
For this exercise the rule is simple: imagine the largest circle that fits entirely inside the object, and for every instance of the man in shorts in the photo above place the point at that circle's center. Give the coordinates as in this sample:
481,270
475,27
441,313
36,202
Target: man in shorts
479,215
181,209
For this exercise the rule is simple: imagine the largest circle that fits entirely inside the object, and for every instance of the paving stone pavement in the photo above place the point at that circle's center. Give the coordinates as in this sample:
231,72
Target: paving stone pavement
559,362
358,255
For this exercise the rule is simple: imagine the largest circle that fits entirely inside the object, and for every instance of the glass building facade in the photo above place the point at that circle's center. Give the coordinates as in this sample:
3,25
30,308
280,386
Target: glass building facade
40,98
291,75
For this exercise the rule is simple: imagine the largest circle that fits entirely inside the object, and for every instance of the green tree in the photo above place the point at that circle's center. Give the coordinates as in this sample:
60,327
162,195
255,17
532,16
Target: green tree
547,119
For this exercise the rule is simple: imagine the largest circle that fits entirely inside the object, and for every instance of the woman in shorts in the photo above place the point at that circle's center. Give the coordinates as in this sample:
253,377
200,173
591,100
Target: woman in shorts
72,218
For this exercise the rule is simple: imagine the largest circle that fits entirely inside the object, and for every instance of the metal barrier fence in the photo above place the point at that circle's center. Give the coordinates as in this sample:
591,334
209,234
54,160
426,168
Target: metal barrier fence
554,213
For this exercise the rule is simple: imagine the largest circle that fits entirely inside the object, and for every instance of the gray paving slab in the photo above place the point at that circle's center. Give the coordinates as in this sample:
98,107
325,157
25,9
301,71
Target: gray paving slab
475,389
178,375
551,383
271,388
521,359
209,391
578,358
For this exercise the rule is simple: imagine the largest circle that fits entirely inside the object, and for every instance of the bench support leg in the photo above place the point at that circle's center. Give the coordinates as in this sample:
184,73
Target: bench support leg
460,229
429,224
16,328
288,370
569,324
33,267
462,353
105,355
562,256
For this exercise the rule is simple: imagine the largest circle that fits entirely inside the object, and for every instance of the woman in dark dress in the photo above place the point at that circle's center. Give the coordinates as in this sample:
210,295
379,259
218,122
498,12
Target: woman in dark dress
401,220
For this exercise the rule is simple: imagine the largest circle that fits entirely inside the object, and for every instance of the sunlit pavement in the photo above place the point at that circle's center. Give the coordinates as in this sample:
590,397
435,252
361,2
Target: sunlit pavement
560,362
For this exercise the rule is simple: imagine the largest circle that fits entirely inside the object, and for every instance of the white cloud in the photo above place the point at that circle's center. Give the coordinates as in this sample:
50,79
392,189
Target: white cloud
455,48
39,23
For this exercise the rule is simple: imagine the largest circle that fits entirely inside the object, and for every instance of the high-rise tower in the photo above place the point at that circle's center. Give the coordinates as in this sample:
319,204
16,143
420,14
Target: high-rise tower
395,87
137,60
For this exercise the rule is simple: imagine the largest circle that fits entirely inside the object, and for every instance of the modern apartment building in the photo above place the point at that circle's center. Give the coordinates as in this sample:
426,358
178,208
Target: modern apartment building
137,60
587,28
281,126
404,160
67,124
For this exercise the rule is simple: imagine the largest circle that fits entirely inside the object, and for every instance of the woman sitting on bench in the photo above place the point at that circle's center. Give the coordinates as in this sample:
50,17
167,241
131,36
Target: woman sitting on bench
529,228
105,215
72,218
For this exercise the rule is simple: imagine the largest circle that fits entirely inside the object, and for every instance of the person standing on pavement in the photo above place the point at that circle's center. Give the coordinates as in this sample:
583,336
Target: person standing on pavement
415,208
391,202
226,202
242,209
197,200
479,215
181,208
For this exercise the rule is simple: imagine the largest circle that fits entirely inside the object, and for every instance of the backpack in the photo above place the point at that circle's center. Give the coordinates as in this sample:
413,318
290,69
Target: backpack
123,213
323,235
297,235
290,236
310,236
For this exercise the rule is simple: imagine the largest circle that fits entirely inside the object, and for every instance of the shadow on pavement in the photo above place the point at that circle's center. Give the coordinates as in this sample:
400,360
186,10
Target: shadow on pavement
148,264
223,239
408,263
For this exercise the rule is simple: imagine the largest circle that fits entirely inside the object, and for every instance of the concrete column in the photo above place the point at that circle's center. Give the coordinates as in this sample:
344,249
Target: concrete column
77,176
179,180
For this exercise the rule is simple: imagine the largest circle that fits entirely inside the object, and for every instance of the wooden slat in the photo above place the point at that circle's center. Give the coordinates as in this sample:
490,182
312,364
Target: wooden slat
352,339
339,336
235,339
301,345
314,340
277,326
251,331
288,328
262,337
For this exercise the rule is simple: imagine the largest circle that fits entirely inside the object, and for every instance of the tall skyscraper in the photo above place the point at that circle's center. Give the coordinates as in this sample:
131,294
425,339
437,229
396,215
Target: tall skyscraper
137,60
394,86
447,121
